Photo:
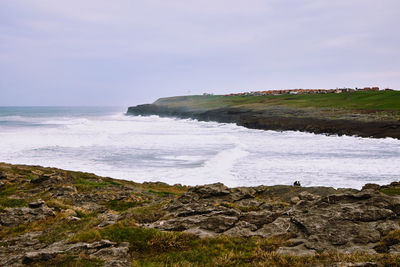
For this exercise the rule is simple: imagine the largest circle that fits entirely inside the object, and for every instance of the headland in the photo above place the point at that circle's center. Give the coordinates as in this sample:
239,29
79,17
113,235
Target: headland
364,113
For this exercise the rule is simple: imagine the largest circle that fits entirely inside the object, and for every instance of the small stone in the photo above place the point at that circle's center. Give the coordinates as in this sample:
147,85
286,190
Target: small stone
73,219
296,251
294,200
41,179
36,204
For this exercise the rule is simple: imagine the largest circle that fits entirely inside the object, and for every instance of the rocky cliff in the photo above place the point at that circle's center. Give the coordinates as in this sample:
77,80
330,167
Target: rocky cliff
362,123
61,218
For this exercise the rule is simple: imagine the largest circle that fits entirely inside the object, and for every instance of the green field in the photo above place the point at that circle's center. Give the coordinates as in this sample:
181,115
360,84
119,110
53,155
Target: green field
370,101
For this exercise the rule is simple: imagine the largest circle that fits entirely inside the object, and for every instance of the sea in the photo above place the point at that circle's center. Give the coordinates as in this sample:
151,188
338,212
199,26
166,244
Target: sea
105,141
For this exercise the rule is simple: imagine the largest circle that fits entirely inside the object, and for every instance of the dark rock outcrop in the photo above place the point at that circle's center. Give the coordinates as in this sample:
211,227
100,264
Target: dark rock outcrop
275,118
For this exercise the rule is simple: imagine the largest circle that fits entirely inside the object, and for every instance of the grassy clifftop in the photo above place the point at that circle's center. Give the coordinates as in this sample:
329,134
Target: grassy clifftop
361,113
369,101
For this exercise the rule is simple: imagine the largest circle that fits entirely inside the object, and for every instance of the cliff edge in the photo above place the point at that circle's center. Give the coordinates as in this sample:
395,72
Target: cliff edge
377,114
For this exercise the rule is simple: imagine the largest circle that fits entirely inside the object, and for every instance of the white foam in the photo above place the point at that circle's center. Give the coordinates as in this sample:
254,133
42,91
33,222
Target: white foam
191,152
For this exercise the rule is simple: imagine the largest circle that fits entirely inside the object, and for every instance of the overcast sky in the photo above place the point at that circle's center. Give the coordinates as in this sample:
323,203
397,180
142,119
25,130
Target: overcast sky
125,52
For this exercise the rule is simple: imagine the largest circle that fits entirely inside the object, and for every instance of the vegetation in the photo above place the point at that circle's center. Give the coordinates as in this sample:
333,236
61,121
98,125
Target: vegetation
392,191
369,101
137,204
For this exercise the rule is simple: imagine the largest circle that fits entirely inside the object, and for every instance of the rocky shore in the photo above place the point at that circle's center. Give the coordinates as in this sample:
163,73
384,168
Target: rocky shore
361,123
61,218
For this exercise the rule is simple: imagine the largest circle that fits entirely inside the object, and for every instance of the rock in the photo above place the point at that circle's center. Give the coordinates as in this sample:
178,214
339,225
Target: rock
16,216
108,218
295,242
241,228
42,178
373,187
63,191
39,256
211,190
308,196
259,218
36,204
200,232
299,251
294,200
218,223
3,175
280,226
73,219
113,252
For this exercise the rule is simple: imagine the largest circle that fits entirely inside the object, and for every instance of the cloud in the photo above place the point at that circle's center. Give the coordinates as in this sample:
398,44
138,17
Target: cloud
149,49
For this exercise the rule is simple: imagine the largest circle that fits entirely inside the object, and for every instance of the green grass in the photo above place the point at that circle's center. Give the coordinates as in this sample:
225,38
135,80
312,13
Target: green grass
162,193
12,203
120,205
392,191
71,261
8,190
84,184
22,172
377,101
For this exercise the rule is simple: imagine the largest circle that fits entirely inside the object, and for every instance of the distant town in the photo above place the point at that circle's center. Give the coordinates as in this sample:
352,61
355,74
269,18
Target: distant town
304,91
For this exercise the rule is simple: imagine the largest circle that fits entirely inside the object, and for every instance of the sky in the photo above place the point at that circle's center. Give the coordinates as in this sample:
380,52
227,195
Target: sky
127,52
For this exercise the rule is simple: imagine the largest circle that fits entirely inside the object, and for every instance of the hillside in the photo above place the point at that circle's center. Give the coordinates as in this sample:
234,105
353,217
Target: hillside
387,101
365,114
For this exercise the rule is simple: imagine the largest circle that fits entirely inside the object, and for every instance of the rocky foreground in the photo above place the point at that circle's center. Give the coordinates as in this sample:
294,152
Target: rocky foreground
52,217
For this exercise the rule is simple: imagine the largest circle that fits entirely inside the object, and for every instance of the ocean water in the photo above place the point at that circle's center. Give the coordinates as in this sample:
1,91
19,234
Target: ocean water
106,142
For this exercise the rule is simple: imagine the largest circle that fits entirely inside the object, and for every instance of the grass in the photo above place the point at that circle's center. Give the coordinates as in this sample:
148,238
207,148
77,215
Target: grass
147,214
71,261
392,238
6,202
162,193
392,191
26,173
377,101
12,203
8,190
85,184
120,205
164,190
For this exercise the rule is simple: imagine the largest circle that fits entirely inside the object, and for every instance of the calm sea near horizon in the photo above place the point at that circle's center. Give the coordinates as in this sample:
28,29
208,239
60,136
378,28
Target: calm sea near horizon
105,141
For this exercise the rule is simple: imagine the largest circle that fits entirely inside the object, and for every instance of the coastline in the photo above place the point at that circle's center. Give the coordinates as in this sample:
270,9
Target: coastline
362,123
49,215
